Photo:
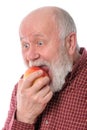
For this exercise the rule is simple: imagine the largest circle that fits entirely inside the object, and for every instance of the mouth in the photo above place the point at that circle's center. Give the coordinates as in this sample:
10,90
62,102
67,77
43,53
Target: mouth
42,66
45,68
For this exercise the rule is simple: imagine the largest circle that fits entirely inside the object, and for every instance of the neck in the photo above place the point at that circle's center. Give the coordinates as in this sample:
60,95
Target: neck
76,56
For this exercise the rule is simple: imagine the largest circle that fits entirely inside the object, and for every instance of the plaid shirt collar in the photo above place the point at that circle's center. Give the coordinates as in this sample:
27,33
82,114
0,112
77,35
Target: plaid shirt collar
77,66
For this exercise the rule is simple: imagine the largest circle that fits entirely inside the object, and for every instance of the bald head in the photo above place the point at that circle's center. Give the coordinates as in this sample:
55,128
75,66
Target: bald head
62,20
48,38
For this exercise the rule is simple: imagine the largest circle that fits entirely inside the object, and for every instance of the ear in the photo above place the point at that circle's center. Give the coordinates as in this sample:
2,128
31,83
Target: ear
71,42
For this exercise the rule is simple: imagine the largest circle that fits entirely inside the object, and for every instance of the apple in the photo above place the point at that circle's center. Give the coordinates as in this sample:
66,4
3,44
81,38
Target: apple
33,69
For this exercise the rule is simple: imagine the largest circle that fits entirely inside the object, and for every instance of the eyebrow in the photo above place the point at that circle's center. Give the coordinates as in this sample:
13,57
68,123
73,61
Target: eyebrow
21,38
35,35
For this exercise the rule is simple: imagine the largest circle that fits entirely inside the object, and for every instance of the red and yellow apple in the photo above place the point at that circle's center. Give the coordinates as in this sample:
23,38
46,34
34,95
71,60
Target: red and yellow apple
33,69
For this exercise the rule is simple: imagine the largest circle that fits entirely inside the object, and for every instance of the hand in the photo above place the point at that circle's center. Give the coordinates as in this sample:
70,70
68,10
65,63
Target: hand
32,97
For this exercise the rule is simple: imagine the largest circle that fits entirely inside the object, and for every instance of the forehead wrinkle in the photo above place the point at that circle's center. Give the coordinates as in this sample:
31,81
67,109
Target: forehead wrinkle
33,36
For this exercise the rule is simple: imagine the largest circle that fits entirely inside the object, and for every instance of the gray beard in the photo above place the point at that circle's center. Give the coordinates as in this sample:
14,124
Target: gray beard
59,70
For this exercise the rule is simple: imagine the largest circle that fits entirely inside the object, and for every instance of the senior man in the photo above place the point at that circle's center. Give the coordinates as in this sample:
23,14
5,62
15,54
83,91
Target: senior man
59,101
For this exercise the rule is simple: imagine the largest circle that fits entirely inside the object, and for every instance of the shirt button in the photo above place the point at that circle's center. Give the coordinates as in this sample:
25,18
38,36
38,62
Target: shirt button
46,122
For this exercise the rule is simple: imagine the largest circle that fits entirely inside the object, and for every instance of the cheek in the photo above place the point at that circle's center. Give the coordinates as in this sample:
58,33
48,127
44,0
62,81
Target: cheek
25,57
24,54
53,56
48,54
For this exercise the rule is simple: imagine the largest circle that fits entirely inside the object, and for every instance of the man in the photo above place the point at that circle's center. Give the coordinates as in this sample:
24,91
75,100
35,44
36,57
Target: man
58,101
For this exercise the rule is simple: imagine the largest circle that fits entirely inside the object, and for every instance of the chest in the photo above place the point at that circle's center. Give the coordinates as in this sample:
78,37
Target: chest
66,111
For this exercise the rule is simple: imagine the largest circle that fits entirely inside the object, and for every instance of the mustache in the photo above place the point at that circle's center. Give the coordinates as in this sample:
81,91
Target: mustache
39,63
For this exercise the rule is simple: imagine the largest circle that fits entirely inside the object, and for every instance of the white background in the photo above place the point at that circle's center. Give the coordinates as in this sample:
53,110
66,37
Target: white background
11,63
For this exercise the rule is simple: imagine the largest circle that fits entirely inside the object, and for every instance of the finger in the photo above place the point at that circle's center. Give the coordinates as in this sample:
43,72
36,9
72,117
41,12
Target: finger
40,83
48,97
28,82
44,91
20,84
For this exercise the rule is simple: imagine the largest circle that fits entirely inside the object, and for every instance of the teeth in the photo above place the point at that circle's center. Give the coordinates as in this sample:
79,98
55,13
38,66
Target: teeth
30,64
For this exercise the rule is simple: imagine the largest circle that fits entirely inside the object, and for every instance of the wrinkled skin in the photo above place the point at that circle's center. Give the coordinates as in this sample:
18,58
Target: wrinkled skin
39,41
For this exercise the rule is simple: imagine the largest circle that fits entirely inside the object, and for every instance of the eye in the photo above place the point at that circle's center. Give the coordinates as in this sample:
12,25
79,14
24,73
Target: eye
26,45
40,43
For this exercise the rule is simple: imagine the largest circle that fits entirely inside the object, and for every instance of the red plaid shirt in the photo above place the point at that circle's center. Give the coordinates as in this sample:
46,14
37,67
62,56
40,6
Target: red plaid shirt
66,111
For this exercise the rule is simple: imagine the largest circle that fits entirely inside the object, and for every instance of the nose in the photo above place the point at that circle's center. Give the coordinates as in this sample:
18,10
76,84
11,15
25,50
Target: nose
32,54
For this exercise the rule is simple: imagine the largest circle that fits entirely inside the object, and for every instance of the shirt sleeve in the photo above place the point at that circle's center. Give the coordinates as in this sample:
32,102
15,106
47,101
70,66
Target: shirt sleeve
11,123
17,125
